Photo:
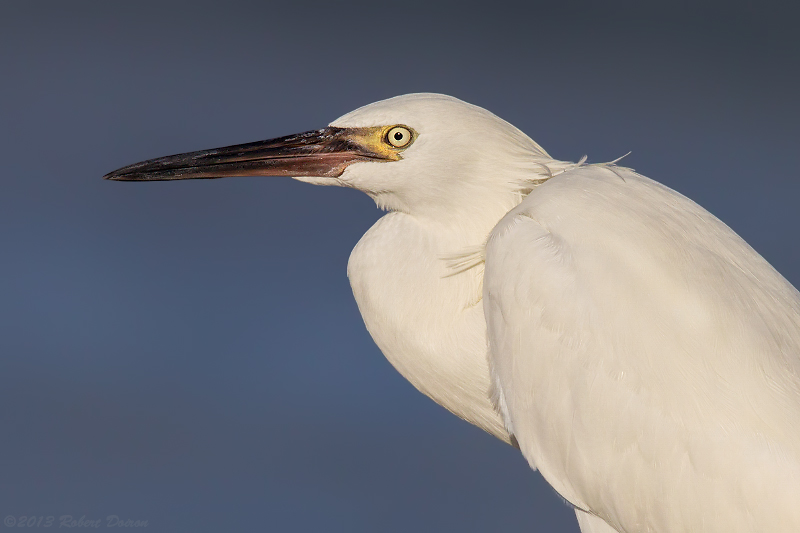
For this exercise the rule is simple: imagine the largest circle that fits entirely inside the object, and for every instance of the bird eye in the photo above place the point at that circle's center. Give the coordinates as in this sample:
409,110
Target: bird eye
399,137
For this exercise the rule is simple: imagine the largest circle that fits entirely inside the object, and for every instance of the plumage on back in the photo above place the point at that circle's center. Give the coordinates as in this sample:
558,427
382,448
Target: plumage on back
645,357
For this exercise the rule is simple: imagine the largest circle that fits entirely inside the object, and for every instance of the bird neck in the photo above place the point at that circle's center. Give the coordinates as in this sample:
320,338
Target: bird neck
417,277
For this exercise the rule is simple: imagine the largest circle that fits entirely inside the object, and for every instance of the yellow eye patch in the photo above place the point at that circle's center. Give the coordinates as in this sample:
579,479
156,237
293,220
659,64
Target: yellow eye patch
384,141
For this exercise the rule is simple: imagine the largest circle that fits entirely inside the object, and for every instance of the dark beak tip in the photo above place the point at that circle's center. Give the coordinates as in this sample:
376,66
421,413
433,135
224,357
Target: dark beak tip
114,176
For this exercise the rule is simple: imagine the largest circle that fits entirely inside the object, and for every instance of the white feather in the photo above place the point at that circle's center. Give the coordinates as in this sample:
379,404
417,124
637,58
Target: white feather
644,357
647,356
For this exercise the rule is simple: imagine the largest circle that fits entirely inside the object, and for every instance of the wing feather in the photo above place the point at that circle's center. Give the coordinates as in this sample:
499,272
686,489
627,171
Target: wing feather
646,358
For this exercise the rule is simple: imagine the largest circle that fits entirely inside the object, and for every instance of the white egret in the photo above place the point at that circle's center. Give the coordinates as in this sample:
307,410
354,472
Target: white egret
640,354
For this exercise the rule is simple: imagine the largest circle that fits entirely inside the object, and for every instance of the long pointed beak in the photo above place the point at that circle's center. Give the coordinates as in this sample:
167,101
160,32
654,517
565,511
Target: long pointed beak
324,153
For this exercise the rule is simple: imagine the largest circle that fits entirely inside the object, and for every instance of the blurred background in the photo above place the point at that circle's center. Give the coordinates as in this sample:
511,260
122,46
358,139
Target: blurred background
190,354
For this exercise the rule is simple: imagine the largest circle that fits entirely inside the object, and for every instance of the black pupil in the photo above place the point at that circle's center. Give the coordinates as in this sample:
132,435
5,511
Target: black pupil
398,136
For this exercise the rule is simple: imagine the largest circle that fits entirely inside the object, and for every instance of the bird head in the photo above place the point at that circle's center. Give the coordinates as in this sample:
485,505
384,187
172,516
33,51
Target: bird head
417,153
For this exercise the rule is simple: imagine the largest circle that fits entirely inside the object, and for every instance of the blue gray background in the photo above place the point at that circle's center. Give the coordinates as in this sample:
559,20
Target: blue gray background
190,354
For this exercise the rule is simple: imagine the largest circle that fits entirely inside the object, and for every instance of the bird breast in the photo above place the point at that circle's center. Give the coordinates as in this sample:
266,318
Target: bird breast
427,322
